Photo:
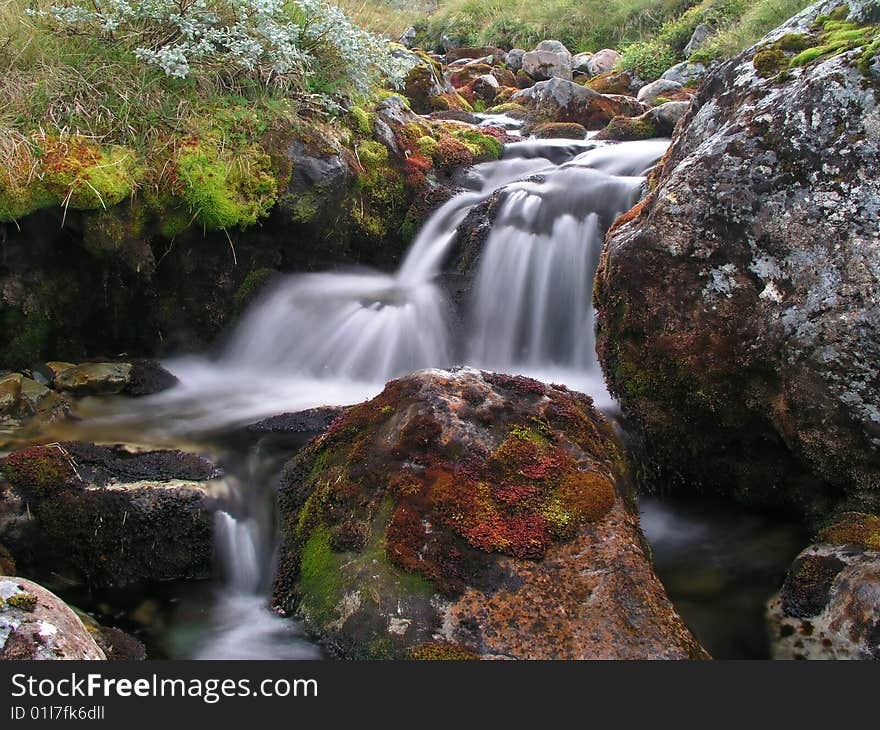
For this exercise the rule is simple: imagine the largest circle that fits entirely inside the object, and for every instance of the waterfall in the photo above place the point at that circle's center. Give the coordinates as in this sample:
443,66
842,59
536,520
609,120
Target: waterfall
335,338
532,308
240,625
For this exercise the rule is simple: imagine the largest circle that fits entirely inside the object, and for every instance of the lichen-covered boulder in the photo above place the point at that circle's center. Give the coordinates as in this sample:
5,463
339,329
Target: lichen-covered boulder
829,605
558,100
36,624
737,309
549,59
471,514
108,516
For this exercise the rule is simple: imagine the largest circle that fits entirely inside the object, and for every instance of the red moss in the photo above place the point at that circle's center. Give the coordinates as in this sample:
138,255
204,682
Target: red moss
551,471
40,471
452,153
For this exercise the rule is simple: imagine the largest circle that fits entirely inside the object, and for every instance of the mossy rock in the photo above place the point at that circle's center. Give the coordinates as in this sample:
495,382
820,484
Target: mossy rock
225,189
460,494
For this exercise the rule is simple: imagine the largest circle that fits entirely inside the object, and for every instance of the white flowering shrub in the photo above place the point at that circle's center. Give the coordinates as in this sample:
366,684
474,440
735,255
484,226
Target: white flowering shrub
304,45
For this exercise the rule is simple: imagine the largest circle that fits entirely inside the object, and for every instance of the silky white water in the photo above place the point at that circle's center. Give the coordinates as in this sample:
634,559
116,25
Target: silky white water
335,338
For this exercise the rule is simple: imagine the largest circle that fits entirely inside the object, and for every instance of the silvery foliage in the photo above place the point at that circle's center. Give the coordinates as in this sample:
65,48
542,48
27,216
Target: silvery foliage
278,40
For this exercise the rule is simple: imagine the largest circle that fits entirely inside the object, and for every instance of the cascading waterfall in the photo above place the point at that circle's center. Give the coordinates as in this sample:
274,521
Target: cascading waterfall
336,337
532,309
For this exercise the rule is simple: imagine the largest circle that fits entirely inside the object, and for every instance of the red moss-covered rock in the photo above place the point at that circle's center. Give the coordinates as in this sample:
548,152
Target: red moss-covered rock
468,508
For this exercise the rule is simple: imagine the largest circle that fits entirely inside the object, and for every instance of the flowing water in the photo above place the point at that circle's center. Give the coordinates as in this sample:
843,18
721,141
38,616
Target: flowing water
335,338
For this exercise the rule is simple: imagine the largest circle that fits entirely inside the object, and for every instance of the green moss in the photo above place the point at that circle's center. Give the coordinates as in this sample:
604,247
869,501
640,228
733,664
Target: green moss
85,177
225,189
381,187
23,602
427,145
19,197
482,146
836,37
769,62
320,579
507,108
252,285
628,128
363,119
794,42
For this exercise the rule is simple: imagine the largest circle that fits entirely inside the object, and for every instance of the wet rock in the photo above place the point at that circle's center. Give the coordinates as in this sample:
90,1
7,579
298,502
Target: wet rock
314,420
98,378
743,346
36,624
559,100
147,377
549,59
701,34
471,514
602,62
108,516
514,59
659,88
116,644
26,402
829,605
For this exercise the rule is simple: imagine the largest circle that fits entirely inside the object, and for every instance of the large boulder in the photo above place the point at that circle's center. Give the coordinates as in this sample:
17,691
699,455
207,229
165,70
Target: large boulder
602,61
829,605
550,59
469,514
558,100
685,73
737,302
36,624
108,516
660,88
